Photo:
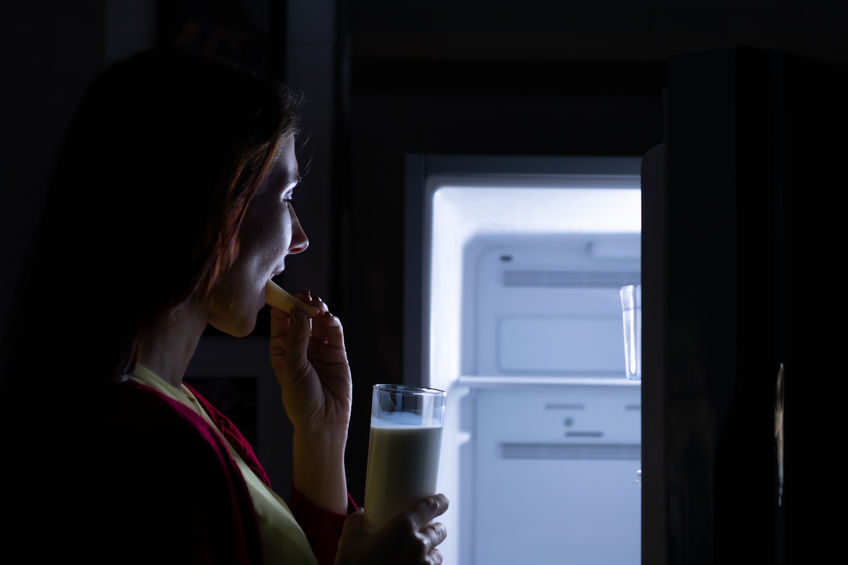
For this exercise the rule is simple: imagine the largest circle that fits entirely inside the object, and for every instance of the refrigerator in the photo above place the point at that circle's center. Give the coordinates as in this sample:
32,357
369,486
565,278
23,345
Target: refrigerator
737,232
520,266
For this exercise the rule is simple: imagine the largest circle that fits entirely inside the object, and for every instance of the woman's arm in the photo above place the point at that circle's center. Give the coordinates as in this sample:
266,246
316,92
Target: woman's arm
309,359
319,470
310,363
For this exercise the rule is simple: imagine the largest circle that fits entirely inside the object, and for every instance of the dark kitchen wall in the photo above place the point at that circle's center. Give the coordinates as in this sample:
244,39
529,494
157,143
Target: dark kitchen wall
49,54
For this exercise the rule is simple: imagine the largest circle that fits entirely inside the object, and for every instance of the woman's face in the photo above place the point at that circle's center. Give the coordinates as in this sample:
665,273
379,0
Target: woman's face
269,232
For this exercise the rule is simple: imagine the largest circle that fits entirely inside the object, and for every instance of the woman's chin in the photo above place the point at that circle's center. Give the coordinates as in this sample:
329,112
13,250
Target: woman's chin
236,328
242,333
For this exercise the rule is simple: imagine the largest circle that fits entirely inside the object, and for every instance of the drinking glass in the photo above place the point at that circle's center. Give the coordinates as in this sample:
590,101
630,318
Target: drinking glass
403,451
631,313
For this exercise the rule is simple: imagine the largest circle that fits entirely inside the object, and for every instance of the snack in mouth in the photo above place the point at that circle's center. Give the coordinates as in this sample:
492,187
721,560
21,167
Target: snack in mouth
278,298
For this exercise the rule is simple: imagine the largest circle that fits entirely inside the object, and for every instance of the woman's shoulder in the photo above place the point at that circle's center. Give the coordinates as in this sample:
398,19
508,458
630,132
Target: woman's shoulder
162,466
151,429
139,406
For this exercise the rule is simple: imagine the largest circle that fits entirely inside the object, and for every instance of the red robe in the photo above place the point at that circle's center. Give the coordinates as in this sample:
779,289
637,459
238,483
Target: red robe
137,477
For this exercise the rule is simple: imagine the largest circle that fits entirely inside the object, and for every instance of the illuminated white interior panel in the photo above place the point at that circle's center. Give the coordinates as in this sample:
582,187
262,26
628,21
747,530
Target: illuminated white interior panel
524,331
556,343
576,206
546,304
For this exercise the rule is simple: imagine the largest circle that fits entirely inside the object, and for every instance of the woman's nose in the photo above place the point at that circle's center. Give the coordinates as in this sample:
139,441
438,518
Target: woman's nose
299,241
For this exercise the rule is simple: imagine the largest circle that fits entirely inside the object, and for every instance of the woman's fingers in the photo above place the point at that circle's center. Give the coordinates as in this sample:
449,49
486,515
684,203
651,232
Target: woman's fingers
429,535
325,326
423,537
433,534
408,539
327,329
289,333
426,509
297,329
434,558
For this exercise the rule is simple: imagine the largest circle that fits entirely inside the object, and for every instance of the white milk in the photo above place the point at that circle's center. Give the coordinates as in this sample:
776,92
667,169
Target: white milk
403,462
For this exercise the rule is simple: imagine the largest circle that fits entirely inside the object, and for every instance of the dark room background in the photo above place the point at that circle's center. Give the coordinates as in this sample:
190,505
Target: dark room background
382,79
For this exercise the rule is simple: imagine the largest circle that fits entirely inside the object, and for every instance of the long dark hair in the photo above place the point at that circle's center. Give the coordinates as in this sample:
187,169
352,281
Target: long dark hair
160,161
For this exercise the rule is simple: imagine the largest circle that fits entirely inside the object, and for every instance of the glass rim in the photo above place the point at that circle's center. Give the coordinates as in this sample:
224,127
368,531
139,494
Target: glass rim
397,388
631,296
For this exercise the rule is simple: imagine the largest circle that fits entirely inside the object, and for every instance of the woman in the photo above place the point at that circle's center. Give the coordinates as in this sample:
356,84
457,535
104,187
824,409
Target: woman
169,209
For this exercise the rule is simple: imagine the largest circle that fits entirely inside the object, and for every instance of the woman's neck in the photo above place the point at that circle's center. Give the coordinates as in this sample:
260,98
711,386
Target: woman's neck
171,339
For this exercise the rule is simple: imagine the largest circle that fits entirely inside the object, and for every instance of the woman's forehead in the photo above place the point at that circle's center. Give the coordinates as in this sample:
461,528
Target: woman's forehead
285,157
283,172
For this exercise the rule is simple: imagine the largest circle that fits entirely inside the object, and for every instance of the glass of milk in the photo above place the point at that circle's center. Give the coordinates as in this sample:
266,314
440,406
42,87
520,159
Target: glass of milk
631,312
403,451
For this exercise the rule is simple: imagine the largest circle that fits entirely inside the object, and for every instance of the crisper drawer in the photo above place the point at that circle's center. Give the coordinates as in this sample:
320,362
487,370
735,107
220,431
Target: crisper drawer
556,476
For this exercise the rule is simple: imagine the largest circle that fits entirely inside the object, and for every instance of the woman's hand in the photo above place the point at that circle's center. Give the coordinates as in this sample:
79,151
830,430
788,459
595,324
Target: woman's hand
309,360
310,363
410,538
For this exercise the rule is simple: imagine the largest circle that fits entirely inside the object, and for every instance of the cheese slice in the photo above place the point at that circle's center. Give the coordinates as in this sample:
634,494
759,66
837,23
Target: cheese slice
279,298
